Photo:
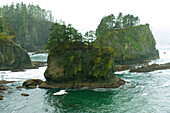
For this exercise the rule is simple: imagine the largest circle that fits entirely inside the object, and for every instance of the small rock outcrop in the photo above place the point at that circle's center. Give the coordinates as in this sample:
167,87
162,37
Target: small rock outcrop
2,87
24,94
1,97
31,83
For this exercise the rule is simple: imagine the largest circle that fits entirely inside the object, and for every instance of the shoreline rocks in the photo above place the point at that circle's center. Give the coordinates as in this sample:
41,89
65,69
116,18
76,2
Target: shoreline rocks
2,88
150,68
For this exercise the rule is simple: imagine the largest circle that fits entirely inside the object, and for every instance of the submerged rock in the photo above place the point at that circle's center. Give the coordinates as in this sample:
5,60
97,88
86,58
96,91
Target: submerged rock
32,83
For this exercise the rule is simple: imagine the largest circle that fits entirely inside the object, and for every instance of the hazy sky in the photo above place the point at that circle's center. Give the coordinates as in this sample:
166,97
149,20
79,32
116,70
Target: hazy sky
85,15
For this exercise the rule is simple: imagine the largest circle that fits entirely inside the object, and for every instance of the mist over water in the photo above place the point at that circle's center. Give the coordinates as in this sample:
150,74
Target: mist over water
145,92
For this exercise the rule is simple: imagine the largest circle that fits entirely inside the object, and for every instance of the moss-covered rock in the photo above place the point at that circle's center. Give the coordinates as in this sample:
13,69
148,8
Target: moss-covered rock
12,56
131,45
79,65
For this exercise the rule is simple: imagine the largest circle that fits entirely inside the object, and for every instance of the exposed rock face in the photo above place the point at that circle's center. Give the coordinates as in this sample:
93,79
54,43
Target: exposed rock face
131,45
12,56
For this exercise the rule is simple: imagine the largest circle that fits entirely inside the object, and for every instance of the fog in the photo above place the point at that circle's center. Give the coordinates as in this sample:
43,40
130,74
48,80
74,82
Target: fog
85,15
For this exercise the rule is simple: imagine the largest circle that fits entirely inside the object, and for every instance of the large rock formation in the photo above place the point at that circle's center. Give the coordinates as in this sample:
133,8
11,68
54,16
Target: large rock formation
12,56
131,45
79,66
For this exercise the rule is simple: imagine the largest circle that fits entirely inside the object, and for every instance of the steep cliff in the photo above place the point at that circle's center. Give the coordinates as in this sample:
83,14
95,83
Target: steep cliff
131,44
12,56
78,65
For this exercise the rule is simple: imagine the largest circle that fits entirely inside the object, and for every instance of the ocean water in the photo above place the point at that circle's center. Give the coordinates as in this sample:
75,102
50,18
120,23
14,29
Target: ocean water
145,92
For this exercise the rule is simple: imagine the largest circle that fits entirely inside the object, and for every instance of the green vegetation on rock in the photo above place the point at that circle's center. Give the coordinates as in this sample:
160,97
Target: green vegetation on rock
77,61
72,59
111,22
131,43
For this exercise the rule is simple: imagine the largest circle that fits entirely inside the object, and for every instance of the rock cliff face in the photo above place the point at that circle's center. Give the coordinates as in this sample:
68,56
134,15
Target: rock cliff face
12,56
131,45
74,68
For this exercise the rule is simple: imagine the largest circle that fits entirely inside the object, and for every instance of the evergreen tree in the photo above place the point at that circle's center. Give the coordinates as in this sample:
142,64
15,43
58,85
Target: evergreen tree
28,22
119,21
106,23
109,22
62,35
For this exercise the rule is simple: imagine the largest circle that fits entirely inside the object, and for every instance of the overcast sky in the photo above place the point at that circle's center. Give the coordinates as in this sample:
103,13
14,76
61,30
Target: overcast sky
85,15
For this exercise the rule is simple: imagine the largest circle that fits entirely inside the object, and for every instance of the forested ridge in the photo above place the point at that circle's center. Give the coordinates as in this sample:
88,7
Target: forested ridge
29,22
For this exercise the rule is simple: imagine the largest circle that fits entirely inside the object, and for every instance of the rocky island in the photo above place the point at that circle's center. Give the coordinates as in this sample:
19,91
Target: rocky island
74,62
131,45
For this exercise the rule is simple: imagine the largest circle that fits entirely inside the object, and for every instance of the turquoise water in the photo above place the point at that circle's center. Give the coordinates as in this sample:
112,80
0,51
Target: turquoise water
145,93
